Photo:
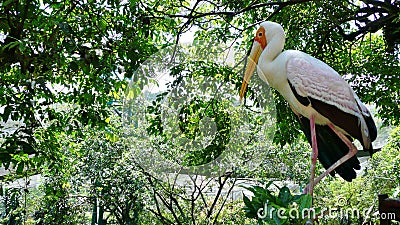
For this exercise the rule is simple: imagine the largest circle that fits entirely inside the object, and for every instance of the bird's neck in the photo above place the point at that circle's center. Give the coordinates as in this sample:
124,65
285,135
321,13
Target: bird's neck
273,49
271,67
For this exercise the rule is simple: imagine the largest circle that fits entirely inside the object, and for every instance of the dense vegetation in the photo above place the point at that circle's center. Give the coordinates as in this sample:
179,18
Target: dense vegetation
102,102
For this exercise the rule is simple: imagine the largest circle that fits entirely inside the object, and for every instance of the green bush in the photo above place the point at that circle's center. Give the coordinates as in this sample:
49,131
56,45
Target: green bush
283,208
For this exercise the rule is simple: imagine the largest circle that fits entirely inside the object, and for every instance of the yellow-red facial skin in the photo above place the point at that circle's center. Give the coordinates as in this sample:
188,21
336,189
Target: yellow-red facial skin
260,37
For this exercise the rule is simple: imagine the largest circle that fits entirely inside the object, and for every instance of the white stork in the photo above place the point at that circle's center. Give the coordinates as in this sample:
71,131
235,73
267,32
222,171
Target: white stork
329,111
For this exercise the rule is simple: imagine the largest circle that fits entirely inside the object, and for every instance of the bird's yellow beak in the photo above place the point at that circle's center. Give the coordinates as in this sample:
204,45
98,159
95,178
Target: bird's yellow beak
252,61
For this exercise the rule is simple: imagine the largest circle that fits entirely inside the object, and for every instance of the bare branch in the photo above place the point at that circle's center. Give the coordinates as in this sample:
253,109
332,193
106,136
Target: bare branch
224,202
221,186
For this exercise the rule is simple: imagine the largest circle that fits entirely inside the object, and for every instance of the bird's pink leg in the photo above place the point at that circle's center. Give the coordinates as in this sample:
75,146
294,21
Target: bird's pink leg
352,151
314,156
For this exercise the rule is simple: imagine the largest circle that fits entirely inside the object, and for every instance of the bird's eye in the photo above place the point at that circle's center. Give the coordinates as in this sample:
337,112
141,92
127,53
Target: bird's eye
260,34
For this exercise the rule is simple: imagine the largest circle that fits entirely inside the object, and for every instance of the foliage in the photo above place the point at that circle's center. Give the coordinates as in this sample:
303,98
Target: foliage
65,72
383,172
193,110
12,212
65,54
75,54
283,208
95,175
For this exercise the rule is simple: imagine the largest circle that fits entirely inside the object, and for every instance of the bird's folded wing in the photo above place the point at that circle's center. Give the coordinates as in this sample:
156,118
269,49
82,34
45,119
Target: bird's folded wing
314,79
329,94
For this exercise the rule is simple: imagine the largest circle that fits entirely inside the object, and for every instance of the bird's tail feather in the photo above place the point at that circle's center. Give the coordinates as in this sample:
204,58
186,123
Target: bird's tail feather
330,149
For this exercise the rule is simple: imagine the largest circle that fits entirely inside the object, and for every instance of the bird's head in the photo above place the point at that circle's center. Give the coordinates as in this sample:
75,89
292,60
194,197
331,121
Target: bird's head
264,35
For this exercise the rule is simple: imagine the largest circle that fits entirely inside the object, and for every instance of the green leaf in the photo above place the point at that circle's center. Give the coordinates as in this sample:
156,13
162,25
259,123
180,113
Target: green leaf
250,209
6,113
86,69
304,201
26,147
285,196
73,66
20,167
10,45
6,3
247,201
102,24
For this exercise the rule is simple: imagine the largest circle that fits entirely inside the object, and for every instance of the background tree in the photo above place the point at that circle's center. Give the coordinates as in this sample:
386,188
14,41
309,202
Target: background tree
65,66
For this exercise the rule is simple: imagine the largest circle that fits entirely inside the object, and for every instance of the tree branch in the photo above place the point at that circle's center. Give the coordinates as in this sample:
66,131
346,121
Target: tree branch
195,15
221,186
